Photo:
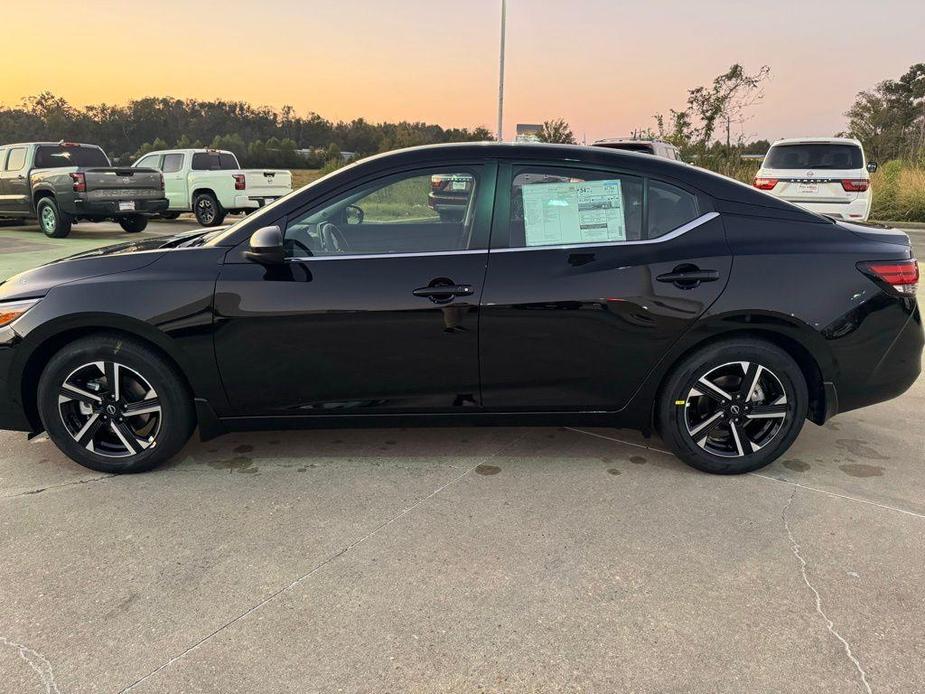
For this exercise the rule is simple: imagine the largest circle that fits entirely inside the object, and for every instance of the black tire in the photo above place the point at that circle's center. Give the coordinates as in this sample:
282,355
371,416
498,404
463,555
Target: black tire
209,213
169,215
746,433
134,223
140,370
54,223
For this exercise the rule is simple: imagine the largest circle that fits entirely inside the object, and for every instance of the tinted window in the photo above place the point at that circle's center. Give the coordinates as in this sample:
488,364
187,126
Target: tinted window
553,207
17,159
214,161
819,156
669,208
643,147
55,156
149,162
172,163
417,212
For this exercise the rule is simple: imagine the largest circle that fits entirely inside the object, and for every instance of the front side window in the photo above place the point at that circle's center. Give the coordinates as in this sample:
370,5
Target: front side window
172,163
814,156
58,156
214,161
17,159
552,207
149,162
415,212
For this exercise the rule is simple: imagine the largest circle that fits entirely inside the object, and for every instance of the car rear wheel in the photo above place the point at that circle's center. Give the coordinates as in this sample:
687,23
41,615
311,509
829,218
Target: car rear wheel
733,407
114,405
55,224
134,224
208,211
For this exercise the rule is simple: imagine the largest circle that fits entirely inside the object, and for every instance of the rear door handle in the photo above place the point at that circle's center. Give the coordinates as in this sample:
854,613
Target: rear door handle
688,278
444,290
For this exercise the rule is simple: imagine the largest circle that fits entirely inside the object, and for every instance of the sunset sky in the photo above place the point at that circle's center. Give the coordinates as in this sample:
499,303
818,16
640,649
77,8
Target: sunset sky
606,66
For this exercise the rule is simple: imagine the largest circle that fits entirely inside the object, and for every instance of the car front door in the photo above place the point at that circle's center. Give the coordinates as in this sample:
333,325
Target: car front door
375,309
592,276
15,195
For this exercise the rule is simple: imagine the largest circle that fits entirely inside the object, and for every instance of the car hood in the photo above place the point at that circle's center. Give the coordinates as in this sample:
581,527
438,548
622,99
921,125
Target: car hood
109,260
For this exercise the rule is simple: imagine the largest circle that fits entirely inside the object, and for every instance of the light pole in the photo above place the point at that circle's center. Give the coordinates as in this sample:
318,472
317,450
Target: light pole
501,71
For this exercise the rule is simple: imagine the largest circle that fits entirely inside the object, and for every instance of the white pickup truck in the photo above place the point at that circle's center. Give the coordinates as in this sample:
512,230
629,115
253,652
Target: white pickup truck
211,184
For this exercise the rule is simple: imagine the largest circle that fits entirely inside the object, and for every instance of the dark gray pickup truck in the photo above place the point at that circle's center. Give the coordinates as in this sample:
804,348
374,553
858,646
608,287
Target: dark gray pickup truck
61,183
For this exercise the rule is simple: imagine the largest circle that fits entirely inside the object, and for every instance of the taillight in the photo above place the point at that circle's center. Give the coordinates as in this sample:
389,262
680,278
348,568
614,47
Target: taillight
162,181
438,183
239,182
765,183
901,275
855,185
80,182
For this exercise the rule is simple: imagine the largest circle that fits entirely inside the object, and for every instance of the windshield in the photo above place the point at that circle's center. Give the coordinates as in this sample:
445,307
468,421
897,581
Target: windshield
214,161
56,156
814,156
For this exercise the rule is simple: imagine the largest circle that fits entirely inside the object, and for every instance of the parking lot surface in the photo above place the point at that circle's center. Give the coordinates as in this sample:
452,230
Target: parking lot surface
500,559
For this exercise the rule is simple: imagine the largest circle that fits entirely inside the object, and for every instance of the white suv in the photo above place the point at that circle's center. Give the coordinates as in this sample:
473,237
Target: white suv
827,175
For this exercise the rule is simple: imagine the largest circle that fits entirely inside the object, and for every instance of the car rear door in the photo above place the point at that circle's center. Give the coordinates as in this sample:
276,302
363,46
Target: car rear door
378,317
15,194
592,276
176,180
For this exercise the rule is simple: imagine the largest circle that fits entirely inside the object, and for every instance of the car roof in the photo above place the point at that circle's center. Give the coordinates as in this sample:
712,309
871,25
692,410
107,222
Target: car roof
188,150
631,141
817,141
50,144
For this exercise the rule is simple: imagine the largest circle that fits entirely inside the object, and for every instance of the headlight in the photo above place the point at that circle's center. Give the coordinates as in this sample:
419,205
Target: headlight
11,310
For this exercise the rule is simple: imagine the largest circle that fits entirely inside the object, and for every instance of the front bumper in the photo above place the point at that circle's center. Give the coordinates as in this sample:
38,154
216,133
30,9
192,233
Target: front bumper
110,208
855,210
12,413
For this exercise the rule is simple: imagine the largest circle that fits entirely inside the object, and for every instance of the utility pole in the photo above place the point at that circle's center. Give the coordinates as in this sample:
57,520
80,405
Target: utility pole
501,72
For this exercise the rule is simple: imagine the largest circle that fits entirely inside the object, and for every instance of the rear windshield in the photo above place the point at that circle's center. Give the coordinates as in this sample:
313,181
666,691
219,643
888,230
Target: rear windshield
214,161
56,156
631,147
819,156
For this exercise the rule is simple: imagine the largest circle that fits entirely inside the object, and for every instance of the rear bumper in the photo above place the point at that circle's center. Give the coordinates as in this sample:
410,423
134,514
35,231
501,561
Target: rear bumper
855,210
110,208
253,202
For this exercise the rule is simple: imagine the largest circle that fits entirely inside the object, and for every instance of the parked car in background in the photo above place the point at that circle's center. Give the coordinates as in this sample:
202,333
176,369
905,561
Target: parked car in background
211,183
61,183
449,195
827,175
581,286
658,148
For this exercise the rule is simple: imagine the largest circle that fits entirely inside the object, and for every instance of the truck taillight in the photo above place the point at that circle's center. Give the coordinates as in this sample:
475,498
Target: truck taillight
855,185
438,183
80,182
765,183
239,182
901,275
162,181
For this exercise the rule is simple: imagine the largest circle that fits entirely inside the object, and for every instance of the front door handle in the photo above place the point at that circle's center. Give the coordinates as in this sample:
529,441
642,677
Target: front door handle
688,276
441,290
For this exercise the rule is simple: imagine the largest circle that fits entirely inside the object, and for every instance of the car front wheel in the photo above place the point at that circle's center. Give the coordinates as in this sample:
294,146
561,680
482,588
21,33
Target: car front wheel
733,407
114,405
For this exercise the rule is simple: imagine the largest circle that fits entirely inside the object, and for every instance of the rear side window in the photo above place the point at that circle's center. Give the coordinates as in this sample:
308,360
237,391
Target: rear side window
17,159
56,156
814,156
670,207
214,161
172,163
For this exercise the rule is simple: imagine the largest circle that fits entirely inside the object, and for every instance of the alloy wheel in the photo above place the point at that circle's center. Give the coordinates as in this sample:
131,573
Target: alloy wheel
206,210
110,409
736,409
48,219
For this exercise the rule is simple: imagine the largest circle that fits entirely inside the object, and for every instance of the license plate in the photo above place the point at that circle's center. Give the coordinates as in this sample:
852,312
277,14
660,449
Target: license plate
458,185
126,206
810,188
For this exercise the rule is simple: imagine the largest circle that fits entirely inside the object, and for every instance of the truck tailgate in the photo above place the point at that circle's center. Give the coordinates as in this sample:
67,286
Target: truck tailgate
123,184
268,182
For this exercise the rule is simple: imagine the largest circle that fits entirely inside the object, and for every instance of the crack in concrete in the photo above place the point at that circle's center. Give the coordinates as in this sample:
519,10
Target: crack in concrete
298,581
55,486
795,548
42,668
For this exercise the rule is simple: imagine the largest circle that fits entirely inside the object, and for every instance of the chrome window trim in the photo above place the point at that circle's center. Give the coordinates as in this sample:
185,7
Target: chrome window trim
358,256
680,231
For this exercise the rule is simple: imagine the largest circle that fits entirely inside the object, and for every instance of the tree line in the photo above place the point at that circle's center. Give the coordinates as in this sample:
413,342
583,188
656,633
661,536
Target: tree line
258,135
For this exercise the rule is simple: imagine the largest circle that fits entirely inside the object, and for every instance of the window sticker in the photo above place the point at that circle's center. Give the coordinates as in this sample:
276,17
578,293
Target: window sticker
567,213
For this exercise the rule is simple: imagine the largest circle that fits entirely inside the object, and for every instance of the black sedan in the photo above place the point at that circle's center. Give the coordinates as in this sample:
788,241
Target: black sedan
575,285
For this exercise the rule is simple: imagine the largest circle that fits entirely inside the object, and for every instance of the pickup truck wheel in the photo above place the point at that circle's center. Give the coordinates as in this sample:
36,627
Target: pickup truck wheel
209,212
55,223
169,215
134,224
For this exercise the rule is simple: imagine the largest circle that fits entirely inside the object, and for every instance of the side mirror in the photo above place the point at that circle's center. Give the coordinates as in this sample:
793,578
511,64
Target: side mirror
872,166
266,246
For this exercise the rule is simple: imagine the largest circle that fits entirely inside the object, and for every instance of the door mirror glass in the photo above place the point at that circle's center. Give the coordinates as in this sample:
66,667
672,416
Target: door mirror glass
354,214
266,246
872,167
